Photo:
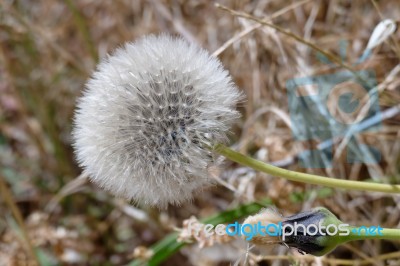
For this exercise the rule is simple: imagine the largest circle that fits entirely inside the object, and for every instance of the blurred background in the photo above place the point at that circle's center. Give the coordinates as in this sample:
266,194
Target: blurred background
48,49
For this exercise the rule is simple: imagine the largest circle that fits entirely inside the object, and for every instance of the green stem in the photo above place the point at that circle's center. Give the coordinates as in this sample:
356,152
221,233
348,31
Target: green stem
364,233
303,177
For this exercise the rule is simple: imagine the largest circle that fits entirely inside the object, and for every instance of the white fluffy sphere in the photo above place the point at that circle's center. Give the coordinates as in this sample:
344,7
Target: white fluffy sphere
148,117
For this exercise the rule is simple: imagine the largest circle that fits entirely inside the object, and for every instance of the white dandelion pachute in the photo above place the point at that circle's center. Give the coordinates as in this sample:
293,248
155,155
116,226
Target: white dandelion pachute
150,112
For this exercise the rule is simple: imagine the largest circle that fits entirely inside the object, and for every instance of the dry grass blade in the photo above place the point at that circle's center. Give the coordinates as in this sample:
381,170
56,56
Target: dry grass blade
329,55
254,27
8,199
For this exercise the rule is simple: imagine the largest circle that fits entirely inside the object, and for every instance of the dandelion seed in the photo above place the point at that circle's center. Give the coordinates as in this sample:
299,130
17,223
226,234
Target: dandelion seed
265,217
148,116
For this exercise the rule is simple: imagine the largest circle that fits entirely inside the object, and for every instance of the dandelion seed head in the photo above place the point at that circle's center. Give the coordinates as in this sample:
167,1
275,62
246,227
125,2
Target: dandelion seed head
150,112
265,217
